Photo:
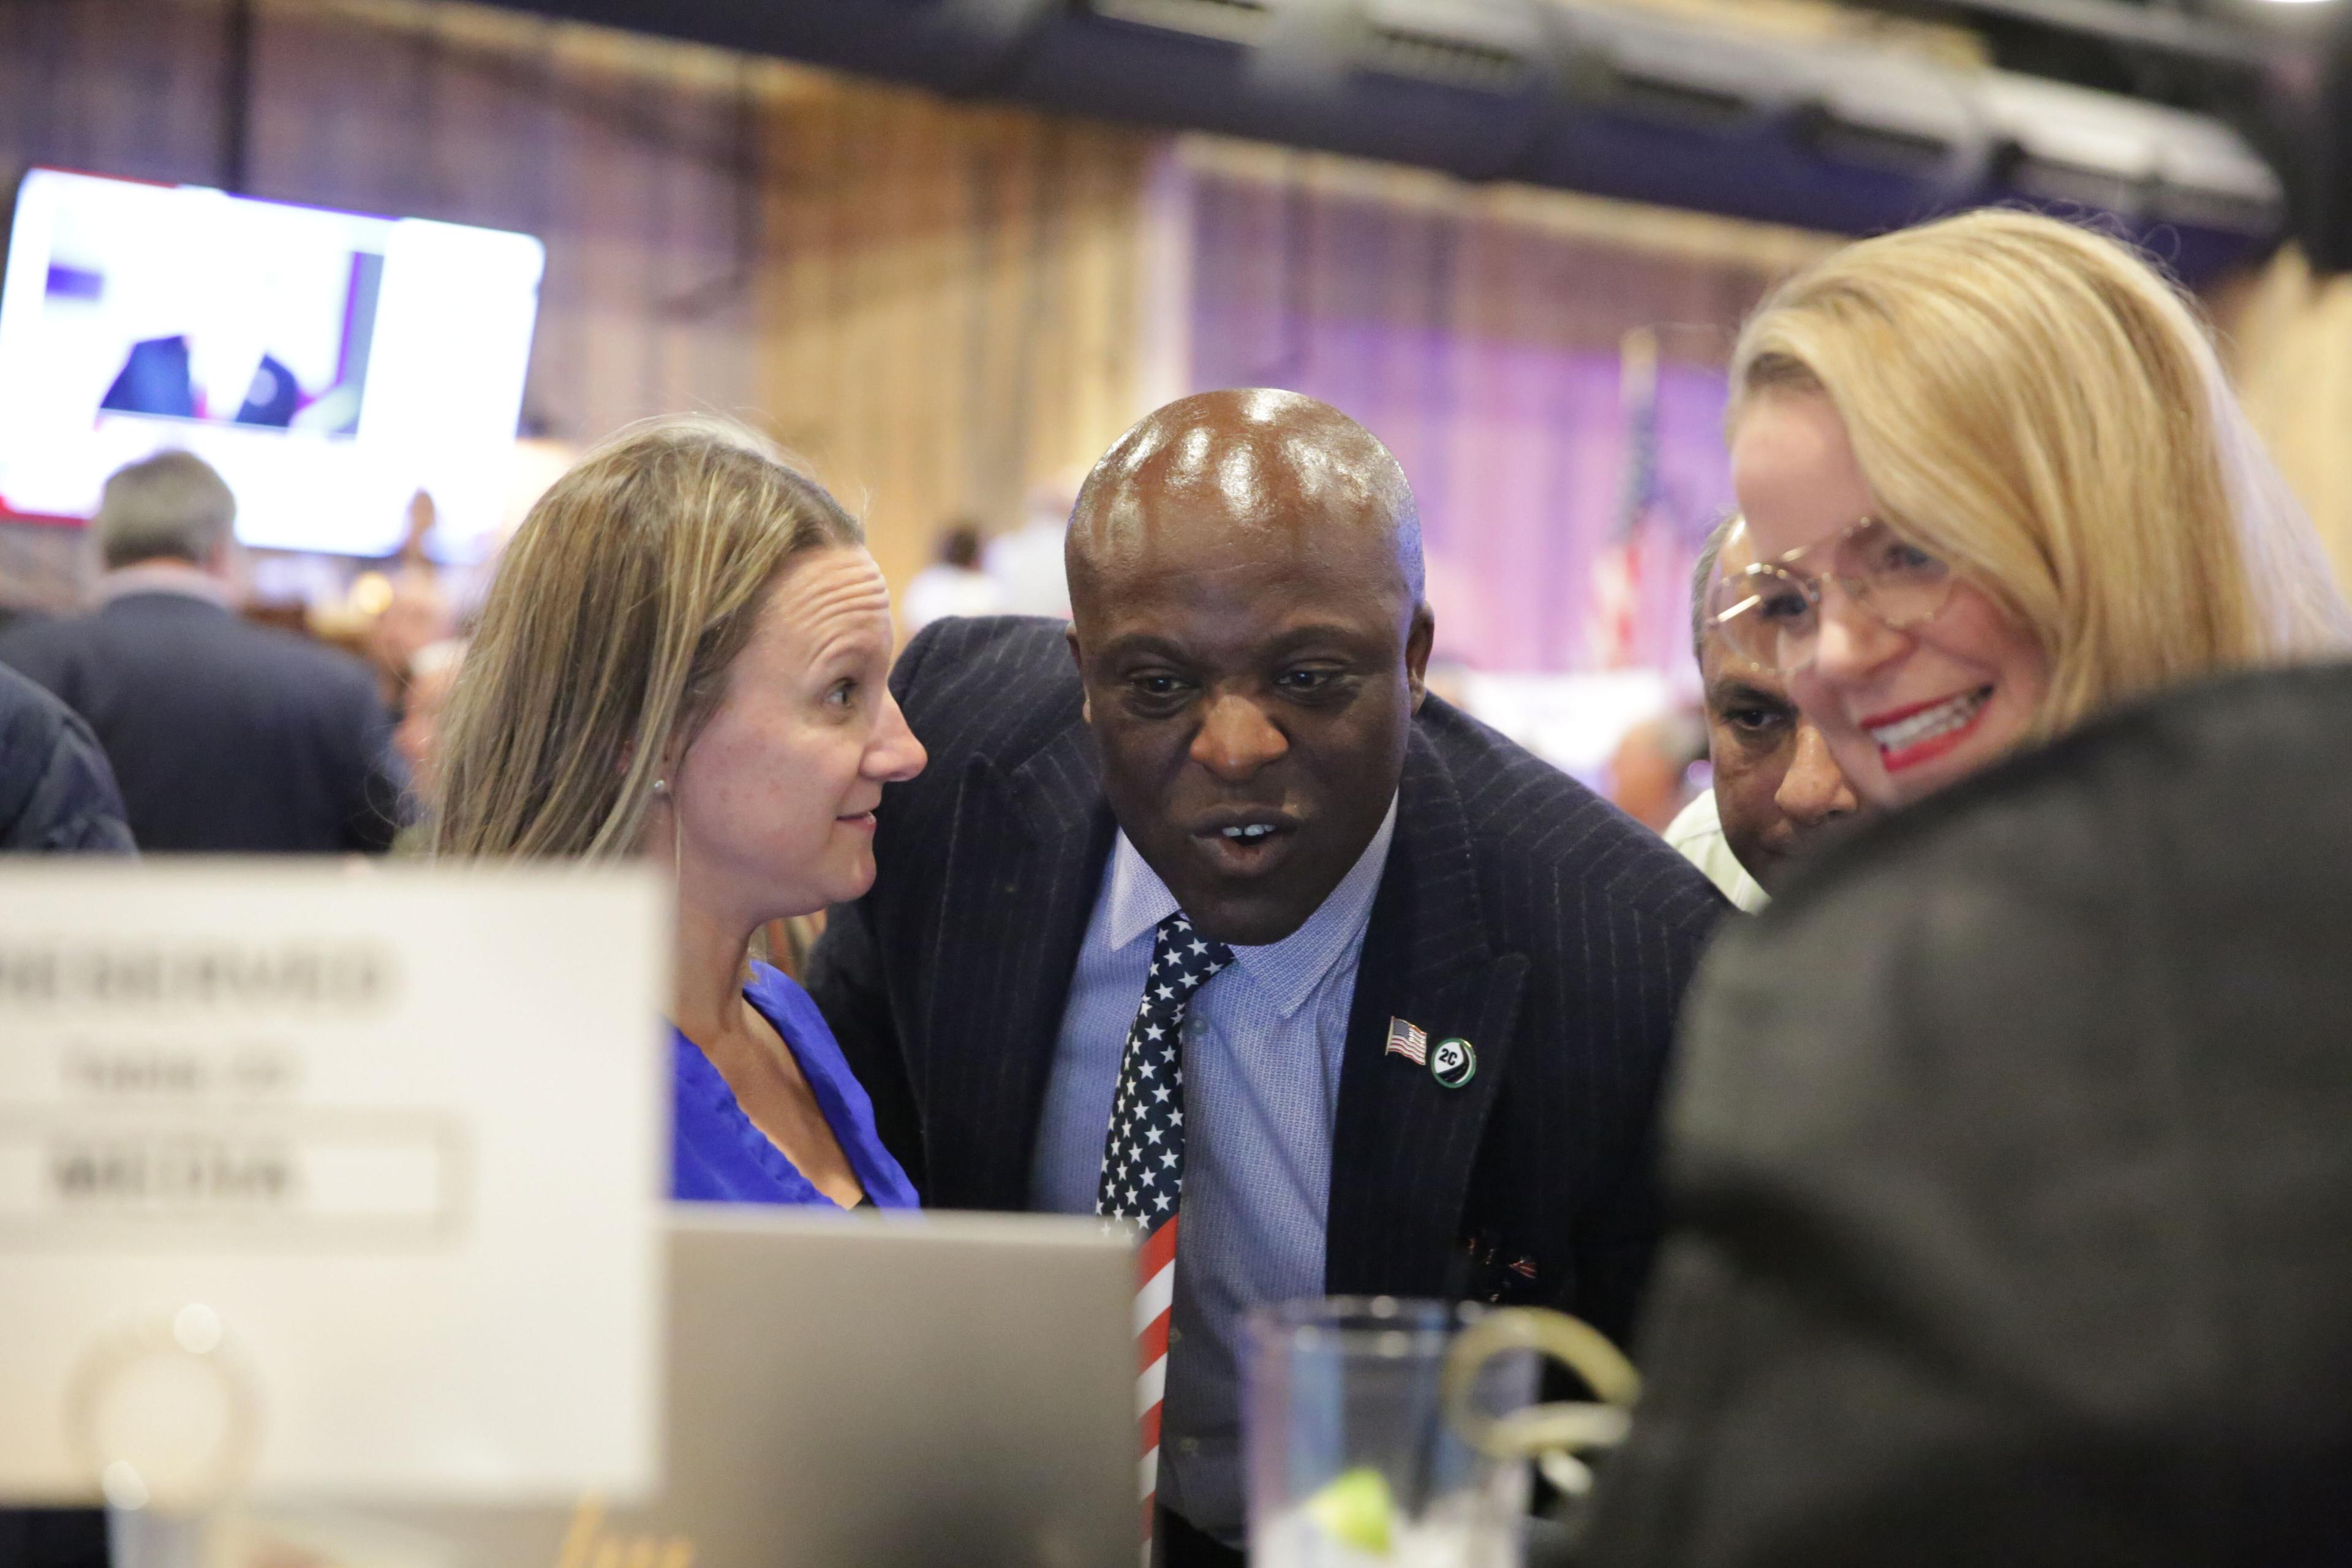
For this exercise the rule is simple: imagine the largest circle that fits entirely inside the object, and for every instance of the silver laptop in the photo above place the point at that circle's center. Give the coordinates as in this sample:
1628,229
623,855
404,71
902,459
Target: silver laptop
863,1392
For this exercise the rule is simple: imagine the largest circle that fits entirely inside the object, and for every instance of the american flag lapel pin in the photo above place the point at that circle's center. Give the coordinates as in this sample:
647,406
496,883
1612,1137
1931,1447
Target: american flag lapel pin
1409,1040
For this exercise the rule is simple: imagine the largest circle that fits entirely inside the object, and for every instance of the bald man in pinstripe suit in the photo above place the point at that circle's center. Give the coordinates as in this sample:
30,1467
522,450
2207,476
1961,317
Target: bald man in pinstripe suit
1430,1066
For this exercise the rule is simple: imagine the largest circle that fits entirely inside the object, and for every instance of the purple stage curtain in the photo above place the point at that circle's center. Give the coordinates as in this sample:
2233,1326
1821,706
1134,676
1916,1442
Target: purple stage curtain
1484,352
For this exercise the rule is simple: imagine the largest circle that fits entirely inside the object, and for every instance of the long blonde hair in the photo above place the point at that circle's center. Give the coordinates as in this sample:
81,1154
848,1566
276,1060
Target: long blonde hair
618,606
2034,403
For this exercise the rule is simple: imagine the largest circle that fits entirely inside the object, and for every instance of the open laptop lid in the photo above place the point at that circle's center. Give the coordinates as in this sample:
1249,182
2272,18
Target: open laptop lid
849,1392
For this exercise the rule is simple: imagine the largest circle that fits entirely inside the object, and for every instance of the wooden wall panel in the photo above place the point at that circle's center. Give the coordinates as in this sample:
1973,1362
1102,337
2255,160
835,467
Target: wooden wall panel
952,318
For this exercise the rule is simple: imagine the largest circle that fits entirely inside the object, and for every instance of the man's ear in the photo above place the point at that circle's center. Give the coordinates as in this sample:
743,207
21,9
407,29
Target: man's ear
1418,641
1078,657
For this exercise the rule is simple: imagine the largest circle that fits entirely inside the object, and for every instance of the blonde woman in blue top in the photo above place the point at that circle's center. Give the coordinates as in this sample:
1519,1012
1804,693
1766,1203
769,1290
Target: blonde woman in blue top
684,658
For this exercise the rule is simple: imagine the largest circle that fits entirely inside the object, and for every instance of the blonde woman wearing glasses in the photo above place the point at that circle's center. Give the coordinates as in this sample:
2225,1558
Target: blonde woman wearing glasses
684,659
1995,481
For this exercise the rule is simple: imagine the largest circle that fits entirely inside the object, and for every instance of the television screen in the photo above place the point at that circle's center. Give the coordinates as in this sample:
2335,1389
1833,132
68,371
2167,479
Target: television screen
329,364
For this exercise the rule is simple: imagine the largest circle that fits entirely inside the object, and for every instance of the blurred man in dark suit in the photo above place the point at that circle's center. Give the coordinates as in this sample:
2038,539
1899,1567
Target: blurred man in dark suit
224,736
57,794
1425,992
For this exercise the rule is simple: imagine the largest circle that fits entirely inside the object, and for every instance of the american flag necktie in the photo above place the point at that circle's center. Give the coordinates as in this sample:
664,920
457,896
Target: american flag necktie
1143,1157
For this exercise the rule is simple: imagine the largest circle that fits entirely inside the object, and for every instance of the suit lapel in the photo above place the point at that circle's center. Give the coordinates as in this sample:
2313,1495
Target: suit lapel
1024,865
1404,1144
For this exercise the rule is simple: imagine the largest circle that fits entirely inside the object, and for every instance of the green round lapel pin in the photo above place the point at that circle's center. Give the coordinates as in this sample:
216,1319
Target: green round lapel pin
1452,1063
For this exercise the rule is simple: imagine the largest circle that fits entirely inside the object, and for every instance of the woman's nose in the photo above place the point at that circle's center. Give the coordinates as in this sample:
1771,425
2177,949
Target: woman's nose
1852,642
895,755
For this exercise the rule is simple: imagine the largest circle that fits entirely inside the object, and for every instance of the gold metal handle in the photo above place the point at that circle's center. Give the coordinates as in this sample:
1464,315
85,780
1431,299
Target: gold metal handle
1552,1434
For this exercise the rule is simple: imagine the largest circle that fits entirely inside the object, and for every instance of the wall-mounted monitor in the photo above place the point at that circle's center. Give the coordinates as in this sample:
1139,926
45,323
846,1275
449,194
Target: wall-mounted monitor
329,364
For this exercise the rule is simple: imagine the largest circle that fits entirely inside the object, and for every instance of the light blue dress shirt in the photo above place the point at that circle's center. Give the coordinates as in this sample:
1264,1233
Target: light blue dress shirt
1263,1042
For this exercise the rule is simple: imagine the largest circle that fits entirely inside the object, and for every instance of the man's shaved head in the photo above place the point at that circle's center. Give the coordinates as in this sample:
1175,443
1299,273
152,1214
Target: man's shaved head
1252,458
1245,587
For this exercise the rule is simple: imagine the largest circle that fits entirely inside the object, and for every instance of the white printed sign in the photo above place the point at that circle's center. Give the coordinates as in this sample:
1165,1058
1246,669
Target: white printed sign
328,1179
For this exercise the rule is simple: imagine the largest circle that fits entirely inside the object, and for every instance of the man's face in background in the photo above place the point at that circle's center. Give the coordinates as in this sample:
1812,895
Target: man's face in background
1776,784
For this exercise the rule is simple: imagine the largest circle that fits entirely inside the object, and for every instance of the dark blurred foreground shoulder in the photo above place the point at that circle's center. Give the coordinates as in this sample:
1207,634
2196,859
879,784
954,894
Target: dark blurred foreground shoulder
56,791
2009,1177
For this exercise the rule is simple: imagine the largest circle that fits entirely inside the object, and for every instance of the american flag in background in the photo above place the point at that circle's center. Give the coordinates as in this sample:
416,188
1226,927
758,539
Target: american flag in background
1622,575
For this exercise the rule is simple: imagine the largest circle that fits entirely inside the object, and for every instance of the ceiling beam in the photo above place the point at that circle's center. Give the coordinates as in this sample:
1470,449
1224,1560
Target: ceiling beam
2162,30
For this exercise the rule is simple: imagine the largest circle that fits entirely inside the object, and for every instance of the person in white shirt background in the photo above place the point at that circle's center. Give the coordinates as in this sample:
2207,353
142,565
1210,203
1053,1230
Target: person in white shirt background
1027,561
953,584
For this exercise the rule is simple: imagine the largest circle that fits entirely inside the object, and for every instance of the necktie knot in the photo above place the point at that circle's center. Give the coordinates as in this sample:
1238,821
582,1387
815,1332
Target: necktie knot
1193,959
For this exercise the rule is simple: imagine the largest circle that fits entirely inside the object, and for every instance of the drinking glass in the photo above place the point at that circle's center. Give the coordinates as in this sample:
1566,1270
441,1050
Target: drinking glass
1352,1460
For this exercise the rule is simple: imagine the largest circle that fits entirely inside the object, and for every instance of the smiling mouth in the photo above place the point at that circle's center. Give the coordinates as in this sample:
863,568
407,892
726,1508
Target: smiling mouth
1920,734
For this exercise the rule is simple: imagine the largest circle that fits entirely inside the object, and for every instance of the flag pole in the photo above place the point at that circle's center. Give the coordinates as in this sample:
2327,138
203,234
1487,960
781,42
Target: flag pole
1618,586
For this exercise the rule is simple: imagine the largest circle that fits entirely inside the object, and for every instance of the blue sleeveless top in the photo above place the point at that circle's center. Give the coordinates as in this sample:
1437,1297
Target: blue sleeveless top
717,1156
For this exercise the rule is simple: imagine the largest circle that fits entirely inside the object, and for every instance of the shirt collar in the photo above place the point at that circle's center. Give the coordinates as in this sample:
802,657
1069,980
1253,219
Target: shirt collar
162,577
1288,971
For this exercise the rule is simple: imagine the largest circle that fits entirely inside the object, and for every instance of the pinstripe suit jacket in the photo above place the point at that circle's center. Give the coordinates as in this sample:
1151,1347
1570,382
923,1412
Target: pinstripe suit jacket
1518,910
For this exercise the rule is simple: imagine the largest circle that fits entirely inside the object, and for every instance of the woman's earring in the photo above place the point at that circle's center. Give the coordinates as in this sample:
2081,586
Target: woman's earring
661,787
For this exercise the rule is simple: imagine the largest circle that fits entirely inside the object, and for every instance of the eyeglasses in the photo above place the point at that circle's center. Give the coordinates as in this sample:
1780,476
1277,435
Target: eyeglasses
1771,613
